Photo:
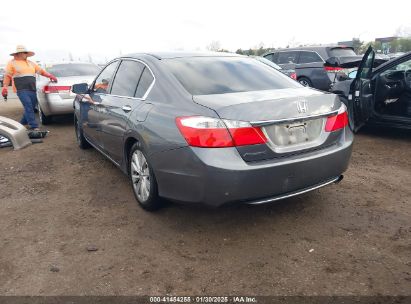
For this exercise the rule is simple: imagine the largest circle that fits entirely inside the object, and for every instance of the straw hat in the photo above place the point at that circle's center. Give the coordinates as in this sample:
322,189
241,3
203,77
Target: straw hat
22,49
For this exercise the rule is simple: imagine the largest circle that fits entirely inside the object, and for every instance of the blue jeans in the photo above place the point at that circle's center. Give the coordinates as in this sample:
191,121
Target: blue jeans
29,101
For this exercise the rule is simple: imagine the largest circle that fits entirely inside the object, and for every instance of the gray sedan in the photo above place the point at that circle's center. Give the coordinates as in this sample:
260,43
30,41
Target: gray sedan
212,128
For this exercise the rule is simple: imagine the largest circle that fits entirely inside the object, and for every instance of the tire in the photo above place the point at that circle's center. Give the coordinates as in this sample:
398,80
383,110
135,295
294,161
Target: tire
305,82
142,179
44,120
81,140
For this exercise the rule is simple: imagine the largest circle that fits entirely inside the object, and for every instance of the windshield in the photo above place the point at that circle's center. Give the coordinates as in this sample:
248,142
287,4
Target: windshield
342,52
220,75
73,69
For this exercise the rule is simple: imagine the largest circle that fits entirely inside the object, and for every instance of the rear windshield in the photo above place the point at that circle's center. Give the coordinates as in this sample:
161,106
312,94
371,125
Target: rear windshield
341,52
220,75
67,70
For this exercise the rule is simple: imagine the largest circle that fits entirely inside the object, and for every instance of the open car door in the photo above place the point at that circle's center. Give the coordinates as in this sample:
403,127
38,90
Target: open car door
361,94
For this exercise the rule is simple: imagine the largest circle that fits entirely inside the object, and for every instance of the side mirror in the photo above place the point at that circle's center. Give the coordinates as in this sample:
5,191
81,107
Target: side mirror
80,88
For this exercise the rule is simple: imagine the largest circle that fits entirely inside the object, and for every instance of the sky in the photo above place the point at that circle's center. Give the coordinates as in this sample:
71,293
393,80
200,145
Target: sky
102,30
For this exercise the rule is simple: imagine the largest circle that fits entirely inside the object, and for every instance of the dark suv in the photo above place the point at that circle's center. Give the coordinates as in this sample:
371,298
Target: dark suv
308,63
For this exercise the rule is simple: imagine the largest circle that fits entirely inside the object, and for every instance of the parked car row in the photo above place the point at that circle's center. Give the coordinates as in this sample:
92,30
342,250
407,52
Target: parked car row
308,62
218,128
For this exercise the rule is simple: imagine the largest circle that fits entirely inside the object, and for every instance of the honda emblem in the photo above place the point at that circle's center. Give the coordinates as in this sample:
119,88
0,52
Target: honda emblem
302,106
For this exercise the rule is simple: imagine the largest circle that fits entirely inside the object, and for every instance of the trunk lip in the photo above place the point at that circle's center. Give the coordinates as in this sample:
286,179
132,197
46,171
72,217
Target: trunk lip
292,119
246,97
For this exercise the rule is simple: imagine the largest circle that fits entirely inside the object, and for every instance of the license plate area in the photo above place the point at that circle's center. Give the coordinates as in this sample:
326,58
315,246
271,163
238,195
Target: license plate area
296,135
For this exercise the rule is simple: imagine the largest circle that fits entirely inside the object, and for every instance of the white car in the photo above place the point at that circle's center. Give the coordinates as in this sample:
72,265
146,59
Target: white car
57,98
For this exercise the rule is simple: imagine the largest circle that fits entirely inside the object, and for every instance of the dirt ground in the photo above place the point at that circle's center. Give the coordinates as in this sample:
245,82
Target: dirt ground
70,226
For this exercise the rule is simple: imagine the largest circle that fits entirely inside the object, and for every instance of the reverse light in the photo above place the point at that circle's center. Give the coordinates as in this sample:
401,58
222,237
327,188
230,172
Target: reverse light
208,132
55,89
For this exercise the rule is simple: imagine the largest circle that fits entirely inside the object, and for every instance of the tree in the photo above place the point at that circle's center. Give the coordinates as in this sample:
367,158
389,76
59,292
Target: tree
214,46
71,56
357,44
403,31
376,45
404,45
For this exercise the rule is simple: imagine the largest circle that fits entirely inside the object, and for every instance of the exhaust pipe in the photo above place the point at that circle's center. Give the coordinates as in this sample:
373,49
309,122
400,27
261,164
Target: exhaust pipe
339,179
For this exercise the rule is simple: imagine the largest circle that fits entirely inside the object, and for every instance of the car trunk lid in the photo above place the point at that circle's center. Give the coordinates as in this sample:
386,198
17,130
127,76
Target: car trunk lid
269,105
292,120
64,84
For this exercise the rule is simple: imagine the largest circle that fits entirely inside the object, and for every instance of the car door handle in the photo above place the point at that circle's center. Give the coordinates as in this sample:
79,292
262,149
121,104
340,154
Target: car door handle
126,108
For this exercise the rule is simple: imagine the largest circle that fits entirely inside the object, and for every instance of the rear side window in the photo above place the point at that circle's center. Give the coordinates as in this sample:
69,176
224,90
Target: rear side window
127,77
309,57
103,80
341,52
287,57
220,75
145,81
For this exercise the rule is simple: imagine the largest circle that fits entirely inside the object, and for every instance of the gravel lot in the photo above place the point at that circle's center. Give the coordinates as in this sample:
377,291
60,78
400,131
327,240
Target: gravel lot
70,226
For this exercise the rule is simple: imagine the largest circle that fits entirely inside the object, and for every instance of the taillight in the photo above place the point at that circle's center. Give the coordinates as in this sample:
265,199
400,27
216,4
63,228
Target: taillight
336,122
333,69
55,89
244,134
207,132
293,76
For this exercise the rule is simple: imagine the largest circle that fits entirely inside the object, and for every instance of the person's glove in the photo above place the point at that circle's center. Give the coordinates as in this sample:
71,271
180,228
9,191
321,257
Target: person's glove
53,78
4,92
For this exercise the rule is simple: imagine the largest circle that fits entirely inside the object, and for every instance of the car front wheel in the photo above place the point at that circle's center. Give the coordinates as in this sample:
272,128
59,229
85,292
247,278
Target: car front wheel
142,180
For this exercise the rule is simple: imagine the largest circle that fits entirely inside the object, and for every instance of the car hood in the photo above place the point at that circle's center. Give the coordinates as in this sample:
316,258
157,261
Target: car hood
270,104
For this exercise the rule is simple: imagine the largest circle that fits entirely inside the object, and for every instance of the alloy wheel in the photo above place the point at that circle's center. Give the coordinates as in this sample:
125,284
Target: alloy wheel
304,82
140,175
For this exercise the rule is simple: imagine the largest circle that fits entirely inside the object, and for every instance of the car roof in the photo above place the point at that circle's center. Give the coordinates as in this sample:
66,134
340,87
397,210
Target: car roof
177,54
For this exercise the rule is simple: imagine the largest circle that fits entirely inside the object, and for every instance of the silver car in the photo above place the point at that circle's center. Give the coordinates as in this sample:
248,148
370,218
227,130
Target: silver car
57,98
212,128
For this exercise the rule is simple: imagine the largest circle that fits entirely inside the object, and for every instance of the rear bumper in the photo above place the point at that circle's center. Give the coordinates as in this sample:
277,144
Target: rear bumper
218,176
297,192
53,104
